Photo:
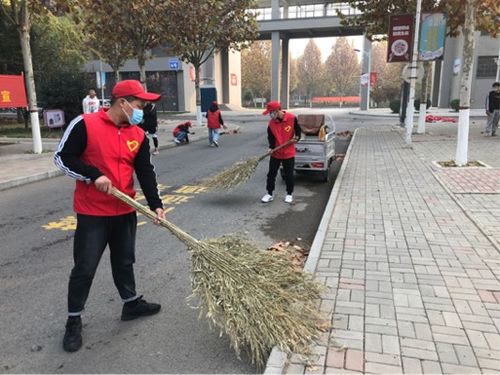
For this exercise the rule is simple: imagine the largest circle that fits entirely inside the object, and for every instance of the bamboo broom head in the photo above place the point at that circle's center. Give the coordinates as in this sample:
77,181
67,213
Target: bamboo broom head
259,299
233,176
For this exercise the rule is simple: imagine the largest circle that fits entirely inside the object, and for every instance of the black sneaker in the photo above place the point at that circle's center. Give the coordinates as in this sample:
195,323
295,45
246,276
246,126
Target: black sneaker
139,307
73,336
216,144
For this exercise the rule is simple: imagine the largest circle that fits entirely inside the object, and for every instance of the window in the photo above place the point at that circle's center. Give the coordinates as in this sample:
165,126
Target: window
486,67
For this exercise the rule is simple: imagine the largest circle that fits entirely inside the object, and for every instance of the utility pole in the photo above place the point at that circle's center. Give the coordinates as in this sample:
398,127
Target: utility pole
413,76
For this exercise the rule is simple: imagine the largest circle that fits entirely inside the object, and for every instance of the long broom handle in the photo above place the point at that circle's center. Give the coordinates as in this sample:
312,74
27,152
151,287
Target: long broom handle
277,148
174,229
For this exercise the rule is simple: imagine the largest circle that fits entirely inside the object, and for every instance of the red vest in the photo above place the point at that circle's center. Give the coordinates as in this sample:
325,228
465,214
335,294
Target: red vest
283,131
112,150
213,119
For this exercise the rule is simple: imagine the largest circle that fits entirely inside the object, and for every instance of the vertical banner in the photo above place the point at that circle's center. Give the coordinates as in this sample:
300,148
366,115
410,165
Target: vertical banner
400,38
12,92
432,36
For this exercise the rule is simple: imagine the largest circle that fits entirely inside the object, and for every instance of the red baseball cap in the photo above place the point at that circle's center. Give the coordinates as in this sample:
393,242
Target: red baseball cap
132,87
272,106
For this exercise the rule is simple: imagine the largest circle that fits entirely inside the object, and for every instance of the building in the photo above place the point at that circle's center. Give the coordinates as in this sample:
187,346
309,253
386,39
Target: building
174,79
447,72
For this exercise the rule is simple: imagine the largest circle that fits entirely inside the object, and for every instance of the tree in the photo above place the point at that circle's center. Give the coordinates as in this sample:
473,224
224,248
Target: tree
388,75
342,69
374,14
256,69
58,47
110,47
19,13
294,78
310,70
122,29
195,30
465,82
11,58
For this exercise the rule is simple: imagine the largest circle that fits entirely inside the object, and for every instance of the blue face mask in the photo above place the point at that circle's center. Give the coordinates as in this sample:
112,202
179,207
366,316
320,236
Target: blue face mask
137,115
273,115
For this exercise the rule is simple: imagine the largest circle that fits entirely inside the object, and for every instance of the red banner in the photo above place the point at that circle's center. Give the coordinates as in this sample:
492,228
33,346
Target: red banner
400,36
12,92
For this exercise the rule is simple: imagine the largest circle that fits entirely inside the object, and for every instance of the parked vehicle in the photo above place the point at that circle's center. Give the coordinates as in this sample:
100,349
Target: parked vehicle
315,151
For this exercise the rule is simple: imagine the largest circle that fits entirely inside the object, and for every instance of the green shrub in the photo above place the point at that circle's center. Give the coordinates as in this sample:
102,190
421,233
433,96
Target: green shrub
455,104
417,104
394,105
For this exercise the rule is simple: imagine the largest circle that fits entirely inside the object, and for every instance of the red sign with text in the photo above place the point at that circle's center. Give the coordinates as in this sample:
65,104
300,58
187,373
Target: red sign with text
12,92
400,38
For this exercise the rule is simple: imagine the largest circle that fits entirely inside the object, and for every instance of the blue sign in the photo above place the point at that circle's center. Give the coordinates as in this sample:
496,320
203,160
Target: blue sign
432,36
174,64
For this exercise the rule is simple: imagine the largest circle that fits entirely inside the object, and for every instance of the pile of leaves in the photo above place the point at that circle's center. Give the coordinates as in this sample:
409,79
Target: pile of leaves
346,133
296,254
452,164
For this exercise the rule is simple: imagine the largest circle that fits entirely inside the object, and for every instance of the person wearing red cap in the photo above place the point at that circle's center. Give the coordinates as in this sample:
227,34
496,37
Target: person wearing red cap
282,127
103,150
181,132
214,122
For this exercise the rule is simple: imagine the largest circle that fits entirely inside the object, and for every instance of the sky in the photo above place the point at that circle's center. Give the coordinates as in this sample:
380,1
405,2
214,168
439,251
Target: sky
325,45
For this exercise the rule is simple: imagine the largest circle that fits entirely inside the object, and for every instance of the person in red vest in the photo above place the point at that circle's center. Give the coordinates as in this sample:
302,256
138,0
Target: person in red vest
103,150
214,123
283,127
181,132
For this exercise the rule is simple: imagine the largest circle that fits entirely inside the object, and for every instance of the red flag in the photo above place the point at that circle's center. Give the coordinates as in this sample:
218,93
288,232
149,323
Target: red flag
12,92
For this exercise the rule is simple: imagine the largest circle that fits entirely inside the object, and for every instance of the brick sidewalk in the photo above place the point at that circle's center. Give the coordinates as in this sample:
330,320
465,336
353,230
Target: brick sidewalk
415,284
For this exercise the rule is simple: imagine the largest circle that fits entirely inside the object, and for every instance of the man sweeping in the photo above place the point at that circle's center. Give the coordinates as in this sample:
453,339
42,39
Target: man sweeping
283,127
102,150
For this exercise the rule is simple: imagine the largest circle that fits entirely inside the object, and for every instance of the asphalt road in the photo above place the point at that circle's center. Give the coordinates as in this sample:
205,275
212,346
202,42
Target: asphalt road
36,228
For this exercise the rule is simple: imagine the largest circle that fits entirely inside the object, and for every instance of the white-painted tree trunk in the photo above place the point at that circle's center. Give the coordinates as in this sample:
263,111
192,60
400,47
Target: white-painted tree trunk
468,30
142,74
413,78
421,118
199,118
24,36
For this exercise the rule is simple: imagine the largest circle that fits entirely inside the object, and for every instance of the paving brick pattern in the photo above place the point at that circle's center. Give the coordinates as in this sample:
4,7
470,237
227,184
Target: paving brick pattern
414,284
471,180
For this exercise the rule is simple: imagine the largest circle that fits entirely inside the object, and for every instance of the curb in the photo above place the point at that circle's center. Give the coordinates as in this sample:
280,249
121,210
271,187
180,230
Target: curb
277,361
384,115
29,179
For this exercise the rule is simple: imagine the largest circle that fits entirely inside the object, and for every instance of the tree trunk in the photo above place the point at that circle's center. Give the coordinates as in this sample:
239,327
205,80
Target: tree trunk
198,93
142,69
423,98
465,83
117,75
24,36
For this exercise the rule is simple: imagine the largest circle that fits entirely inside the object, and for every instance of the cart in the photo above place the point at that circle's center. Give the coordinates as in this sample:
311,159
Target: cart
315,151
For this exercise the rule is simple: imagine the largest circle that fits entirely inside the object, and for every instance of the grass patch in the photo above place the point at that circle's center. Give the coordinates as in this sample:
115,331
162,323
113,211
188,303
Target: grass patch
19,131
452,164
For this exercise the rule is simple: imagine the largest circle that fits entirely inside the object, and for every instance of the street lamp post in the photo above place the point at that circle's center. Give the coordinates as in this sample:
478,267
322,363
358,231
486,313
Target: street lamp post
368,85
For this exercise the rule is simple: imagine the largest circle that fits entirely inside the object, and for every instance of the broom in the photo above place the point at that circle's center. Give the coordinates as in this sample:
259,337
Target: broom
259,299
240,172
